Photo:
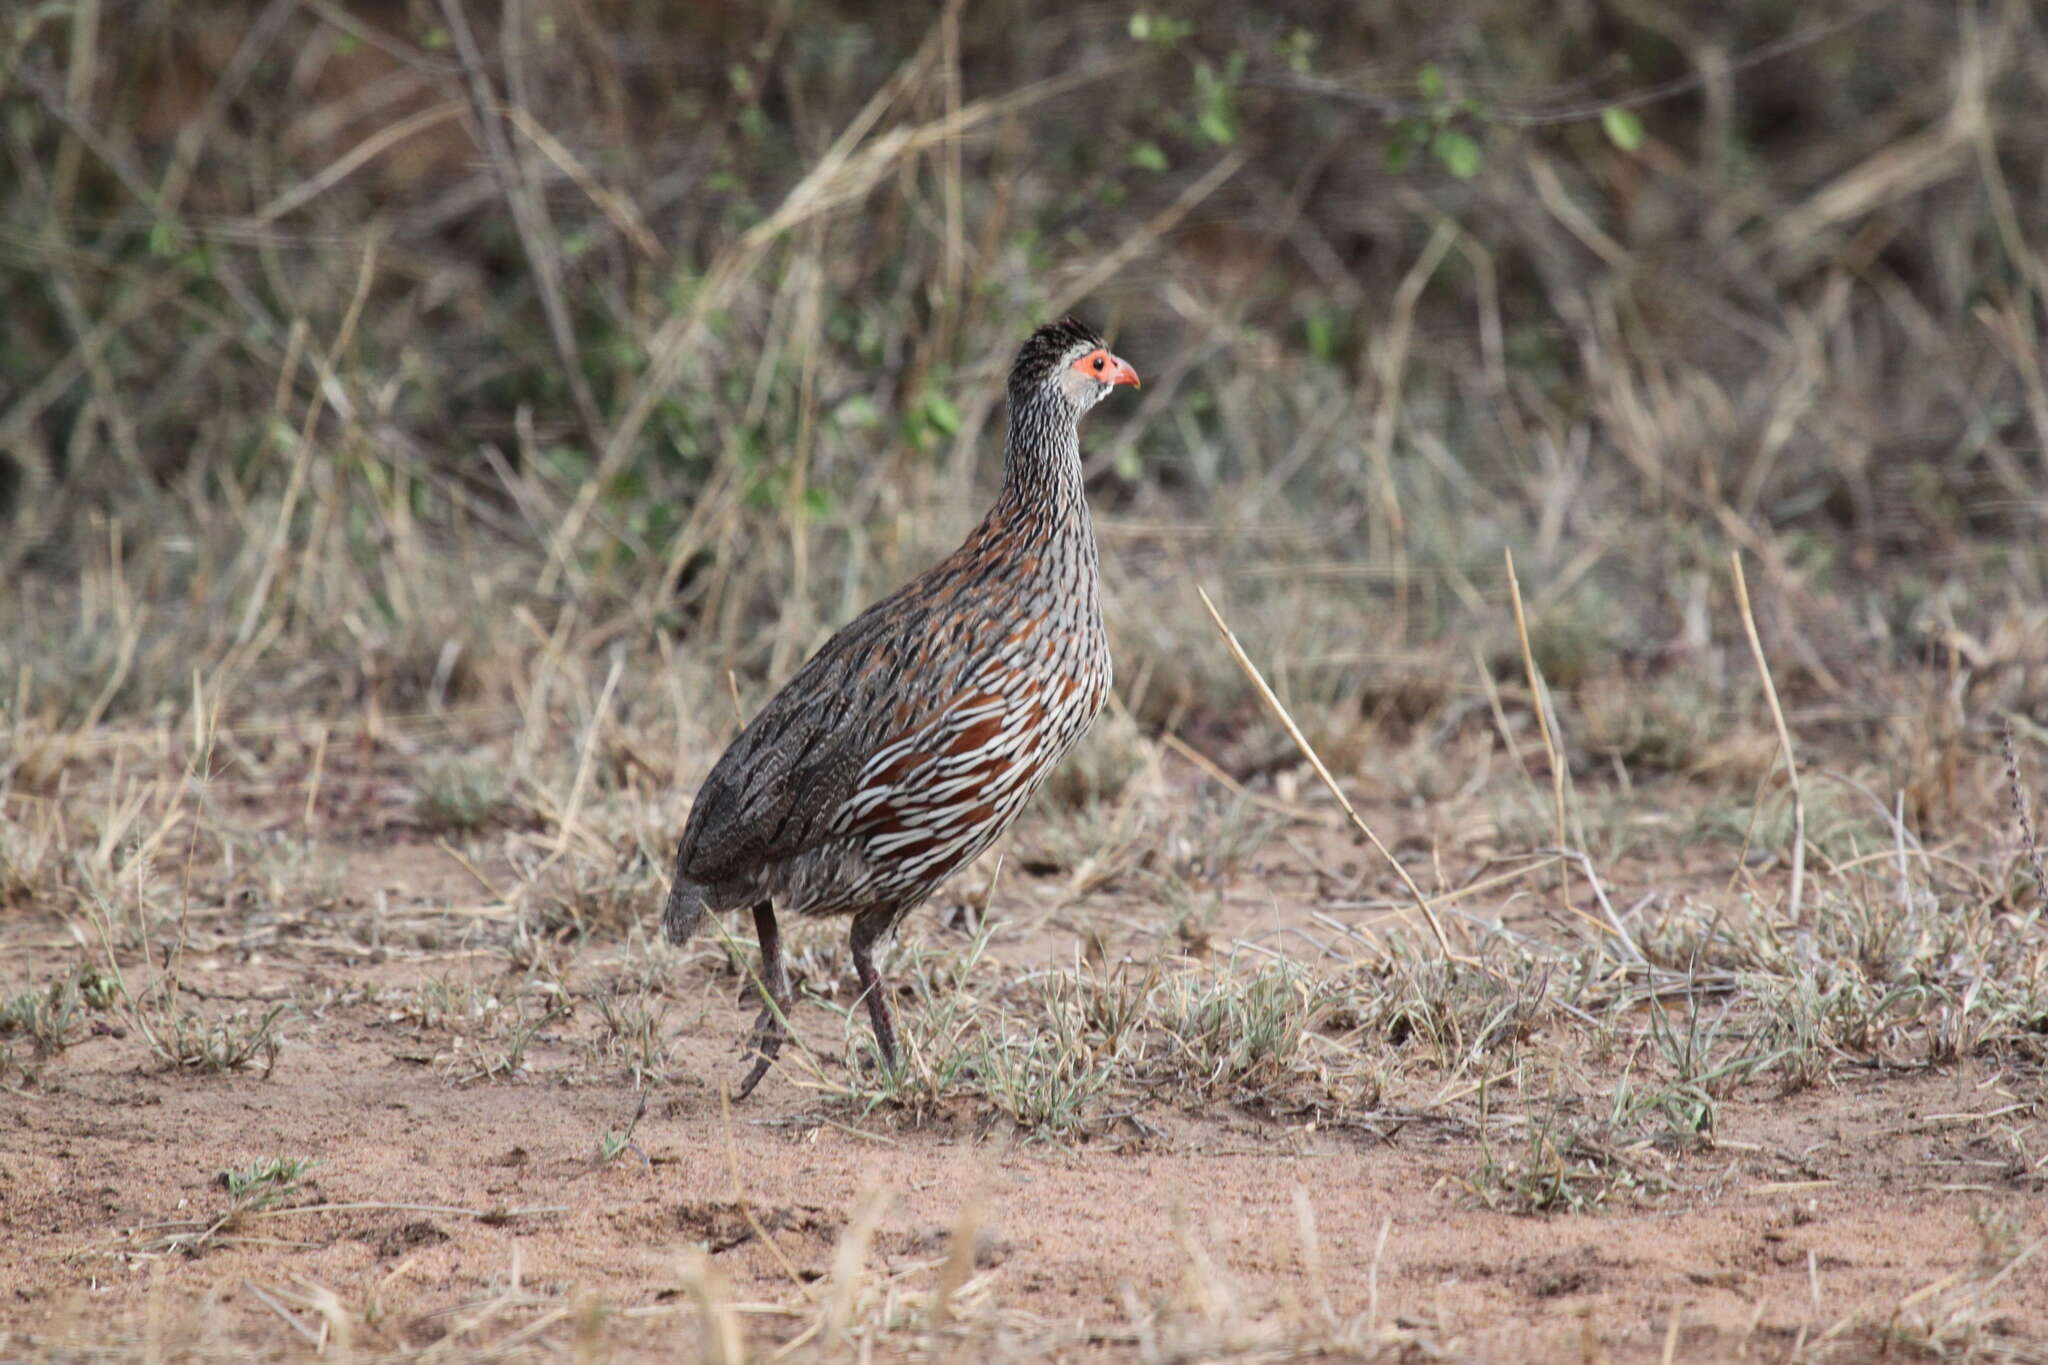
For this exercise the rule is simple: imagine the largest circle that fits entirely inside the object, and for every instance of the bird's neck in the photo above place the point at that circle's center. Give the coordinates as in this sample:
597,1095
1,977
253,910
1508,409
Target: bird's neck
1042,467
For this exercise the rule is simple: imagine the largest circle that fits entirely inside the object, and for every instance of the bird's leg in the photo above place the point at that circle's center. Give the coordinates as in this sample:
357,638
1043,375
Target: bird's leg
868,926
768,1029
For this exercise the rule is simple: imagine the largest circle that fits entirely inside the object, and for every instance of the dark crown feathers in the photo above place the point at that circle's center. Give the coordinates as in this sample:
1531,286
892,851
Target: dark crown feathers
1044,351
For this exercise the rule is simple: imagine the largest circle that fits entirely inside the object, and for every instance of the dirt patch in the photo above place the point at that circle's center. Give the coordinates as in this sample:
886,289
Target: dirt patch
449,1202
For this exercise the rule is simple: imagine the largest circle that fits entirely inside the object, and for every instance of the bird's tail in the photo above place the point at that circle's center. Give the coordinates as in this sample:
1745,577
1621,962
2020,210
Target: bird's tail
687,902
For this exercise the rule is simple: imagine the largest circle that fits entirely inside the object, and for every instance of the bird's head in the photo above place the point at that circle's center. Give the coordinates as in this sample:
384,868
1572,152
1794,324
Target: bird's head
1068,362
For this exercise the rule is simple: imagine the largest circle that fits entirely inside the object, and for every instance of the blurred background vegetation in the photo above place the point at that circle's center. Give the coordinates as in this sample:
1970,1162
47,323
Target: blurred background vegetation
360,352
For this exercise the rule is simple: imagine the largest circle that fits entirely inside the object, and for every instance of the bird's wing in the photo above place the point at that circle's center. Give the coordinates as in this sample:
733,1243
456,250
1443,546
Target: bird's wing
772,793
892,673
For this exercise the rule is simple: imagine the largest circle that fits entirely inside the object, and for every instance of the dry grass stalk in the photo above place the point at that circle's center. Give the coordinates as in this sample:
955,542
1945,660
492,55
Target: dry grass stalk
1539,698
1312,1254
2020,814
354,159
302,456
718,1325
537,236
1756,648
959,1262
849,1263
1390,364
1273,703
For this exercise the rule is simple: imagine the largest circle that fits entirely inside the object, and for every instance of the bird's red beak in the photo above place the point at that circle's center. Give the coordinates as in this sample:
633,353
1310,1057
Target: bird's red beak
1110,369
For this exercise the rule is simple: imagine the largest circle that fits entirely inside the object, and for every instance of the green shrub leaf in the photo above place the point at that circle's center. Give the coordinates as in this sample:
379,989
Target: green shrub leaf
1624,129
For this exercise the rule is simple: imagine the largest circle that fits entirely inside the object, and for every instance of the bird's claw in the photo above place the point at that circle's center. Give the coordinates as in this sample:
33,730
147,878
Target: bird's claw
765,1042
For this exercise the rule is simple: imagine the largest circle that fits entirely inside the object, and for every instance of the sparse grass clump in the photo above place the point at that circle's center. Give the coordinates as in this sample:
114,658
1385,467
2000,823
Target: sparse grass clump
461,795
632,1033
1563,1163
1238,1033
498,1050
439,1003
49,1018
184,1040
585,896
1059,1052
1039,1084
263,1183
1664,725
1461,1013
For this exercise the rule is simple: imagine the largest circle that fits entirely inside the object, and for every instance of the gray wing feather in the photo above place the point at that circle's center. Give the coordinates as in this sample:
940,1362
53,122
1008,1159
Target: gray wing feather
774,791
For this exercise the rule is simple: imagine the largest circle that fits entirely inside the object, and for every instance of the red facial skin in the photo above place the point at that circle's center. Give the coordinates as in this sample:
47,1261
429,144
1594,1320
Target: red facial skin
1110,369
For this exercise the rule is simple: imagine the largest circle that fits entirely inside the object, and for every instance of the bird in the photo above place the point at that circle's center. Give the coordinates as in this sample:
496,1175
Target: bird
910,740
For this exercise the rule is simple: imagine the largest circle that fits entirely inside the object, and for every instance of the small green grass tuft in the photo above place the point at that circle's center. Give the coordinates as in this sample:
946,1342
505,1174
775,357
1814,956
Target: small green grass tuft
182,1040
460,795
263,1183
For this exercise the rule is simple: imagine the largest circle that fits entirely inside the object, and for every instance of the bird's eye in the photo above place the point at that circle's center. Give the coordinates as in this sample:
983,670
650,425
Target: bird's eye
1098,362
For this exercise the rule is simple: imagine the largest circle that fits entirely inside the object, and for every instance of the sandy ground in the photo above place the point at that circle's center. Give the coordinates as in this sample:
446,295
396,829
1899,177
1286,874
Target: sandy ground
445,1216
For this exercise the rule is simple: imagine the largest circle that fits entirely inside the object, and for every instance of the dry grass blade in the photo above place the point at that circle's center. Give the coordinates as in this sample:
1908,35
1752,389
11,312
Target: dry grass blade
1763,668
1273,703
354,159
622,212
1539,699
720,1339
1390,362
2020,814
849,1261
192,137
1128,250
959,1262
529,211
302,456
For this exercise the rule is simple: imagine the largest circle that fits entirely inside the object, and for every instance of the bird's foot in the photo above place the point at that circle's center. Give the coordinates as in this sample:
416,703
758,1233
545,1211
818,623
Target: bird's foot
765,1042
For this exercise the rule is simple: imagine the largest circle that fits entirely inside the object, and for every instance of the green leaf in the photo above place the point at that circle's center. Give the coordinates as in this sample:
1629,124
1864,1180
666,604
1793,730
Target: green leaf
1148,156
940,412
1159,29
1322,335
1408,137
857,413
1459,153
1216,101
1299,47
1430,81
1624,129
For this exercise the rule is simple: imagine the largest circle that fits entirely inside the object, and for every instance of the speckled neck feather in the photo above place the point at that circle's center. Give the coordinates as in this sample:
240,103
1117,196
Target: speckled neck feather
1042,453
